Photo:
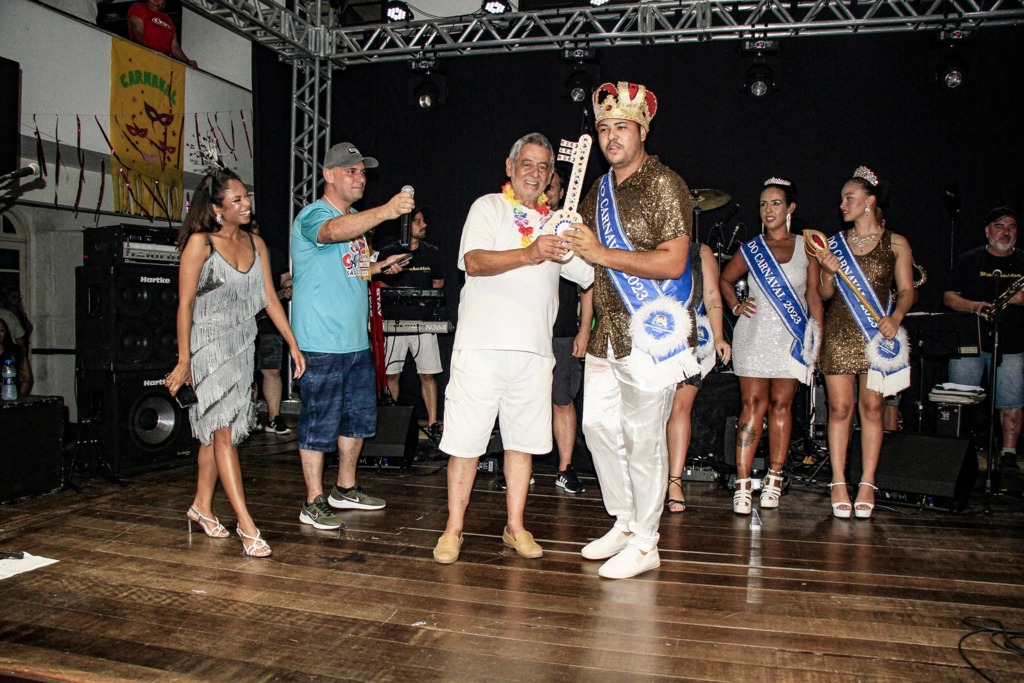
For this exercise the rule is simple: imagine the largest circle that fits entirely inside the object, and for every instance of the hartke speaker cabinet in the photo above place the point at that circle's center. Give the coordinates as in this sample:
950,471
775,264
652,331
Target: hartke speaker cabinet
125,317
138,424
916,469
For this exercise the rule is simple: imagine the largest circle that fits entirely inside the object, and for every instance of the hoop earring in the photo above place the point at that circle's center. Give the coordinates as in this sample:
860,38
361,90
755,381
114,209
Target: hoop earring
789,220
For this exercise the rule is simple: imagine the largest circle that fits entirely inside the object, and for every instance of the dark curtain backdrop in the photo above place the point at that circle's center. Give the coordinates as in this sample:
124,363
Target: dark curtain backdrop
843,102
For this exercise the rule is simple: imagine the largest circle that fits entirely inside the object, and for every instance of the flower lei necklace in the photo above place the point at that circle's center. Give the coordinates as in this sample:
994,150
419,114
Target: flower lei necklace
519,213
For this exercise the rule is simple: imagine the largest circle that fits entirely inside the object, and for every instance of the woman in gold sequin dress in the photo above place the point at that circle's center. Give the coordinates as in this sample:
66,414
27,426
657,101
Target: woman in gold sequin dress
883,256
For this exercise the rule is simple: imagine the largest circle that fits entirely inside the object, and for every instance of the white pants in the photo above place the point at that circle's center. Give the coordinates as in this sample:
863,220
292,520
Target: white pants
624,424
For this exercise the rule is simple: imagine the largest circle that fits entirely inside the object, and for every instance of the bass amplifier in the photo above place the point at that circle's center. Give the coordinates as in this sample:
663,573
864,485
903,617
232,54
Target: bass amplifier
117,245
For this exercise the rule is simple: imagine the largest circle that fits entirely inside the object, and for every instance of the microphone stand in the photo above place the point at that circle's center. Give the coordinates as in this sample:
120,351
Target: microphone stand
993,376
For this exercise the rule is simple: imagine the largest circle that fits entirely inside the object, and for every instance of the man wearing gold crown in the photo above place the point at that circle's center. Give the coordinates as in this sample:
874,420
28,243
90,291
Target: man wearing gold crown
502,358
640,214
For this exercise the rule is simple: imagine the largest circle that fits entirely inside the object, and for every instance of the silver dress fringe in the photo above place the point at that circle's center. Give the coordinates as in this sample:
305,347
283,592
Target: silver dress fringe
223,341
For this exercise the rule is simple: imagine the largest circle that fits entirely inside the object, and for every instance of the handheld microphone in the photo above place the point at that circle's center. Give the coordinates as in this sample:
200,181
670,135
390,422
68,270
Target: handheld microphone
31,169
406,220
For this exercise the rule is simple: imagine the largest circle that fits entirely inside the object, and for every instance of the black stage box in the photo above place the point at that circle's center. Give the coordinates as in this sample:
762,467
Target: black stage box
31,446
394,447
914,469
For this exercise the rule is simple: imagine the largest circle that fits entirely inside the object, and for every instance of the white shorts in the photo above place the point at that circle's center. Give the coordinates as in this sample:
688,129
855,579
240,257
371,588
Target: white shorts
423,348
514,386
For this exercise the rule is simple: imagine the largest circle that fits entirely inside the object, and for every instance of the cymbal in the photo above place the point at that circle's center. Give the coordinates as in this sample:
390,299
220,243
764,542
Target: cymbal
708,199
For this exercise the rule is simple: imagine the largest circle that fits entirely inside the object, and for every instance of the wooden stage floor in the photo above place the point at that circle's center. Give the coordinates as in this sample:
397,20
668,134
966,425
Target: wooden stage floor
804,598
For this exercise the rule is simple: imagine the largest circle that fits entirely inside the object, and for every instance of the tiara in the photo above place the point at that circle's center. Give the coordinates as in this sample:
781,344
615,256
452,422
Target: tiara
778,181
865,173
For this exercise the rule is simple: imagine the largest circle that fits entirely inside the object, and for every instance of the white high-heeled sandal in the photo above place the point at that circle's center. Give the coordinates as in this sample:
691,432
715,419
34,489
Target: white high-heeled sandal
843,509
256,547
861,509
772,489
741,498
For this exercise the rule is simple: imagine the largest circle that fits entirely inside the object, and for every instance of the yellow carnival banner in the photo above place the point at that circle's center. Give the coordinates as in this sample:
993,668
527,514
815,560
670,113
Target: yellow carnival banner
147,105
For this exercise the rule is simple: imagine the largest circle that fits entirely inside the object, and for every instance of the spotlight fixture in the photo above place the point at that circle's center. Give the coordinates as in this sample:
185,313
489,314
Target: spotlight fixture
598,3
397,11
428,89
759,81
496,7
760,68
580,73
951,60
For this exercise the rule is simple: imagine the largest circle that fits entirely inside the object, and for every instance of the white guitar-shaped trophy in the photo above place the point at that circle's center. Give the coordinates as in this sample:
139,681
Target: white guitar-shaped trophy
576,153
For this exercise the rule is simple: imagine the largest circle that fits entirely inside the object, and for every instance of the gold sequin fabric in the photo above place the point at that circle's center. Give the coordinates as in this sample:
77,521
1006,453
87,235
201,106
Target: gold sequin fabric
654,207
842,344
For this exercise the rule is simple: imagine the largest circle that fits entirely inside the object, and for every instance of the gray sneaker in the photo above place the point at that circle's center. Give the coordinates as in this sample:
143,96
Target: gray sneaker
355,499
320,515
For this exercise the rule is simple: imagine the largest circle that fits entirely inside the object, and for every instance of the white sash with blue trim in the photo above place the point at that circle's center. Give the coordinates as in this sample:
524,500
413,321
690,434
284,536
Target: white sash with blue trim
660,313
766,270
888,359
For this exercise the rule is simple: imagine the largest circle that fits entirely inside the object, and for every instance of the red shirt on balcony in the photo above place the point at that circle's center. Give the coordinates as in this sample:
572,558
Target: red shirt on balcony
149,26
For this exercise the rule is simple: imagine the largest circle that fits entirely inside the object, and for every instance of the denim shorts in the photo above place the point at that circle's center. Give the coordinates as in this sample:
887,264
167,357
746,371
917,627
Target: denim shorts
339,398
1009,382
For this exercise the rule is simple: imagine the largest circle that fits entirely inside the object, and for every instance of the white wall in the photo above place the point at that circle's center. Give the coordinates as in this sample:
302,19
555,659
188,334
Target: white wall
57,85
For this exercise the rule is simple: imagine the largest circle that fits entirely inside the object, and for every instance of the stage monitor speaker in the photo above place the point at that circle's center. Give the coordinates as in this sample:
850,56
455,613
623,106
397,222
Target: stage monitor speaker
31,446
394,447
920,470
719,397
126,317
139,426
759,463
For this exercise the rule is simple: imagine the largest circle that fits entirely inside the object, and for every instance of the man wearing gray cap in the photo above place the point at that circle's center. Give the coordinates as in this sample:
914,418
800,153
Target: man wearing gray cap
332,266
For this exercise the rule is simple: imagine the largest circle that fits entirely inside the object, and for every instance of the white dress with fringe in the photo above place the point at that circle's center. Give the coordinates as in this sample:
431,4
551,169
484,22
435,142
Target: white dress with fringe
223,343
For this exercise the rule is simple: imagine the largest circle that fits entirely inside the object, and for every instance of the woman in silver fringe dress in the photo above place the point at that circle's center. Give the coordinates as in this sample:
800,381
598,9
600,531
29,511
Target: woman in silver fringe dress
224,280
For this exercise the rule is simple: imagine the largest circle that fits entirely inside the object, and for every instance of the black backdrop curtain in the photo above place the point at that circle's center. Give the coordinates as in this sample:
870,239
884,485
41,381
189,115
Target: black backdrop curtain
844,101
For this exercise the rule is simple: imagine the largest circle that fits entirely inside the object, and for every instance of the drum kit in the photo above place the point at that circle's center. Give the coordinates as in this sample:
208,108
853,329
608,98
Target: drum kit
708,199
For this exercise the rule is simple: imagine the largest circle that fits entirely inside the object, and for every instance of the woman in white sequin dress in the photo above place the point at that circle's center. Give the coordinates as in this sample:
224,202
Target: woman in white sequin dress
762,345
223,282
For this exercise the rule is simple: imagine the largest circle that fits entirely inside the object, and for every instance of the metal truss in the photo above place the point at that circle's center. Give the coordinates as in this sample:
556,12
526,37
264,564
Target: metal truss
311,128
299,34
309,32
649,23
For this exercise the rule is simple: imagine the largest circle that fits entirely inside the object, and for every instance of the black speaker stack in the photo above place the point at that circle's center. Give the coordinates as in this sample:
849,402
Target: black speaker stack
126,302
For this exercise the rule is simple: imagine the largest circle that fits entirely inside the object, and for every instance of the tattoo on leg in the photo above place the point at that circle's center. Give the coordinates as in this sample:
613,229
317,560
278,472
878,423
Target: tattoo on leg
746,434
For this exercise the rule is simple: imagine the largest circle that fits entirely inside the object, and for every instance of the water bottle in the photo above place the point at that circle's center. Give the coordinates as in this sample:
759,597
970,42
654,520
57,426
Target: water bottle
10,389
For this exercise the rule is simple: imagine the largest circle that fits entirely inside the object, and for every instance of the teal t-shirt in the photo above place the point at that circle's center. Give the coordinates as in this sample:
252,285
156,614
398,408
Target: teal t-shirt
330,300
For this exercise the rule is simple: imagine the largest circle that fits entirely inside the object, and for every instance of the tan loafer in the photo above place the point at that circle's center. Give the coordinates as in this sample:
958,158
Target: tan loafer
447,549
524,544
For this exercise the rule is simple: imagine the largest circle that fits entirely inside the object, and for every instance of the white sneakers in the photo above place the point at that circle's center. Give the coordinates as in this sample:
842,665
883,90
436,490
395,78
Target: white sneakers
626,561
629,563
606,546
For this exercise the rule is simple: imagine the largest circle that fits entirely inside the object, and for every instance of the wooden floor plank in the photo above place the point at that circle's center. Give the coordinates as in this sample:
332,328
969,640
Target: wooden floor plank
804,598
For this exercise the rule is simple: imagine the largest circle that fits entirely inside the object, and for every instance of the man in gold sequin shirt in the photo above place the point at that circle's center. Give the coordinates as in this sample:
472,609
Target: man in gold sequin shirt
625,412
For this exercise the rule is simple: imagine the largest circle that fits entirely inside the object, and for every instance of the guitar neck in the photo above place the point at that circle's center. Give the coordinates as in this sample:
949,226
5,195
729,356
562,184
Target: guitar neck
577,153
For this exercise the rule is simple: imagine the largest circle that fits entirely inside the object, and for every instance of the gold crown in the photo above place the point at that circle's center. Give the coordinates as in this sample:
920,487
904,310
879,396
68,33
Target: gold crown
865,173
778,181
625,100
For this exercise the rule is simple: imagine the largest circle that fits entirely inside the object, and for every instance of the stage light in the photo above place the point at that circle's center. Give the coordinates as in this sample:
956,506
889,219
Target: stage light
760,67
428,91
496,7
579,86
760,81
398,11
598,3
953,77
951,60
